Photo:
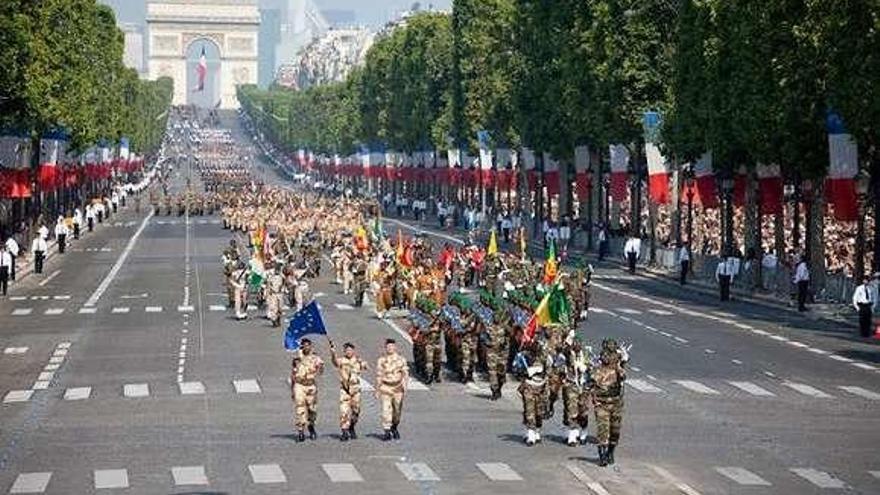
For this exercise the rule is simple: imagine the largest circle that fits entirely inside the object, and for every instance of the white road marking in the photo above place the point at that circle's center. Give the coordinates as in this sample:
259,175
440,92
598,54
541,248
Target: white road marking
696,387
88,311
864,366
581,476
366,386
342,473
758,331
189,475
661,312
629,311
875,474
679,339
344,307
17,298
861,392
742,476
17,396
120,310
54,311
136,390
115,269
807,390
46,376
498,471
153,309
40,385
185,309
753,389
78,393
414,384
246,386
60,352
736,361
417,471
31,483
643,386
111,478
819,478
51,367
682,487
217,307
56,359
840,358
15,350
22,311
49,278
780,338
399,330
267,473
191,388
63,345
795,343
817,351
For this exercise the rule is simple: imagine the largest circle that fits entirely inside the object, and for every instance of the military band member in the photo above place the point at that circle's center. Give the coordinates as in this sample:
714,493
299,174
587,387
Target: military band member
350,368
304,389
392,376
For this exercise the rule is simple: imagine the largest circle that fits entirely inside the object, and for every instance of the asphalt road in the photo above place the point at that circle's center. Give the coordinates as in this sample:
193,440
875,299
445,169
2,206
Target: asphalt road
155,389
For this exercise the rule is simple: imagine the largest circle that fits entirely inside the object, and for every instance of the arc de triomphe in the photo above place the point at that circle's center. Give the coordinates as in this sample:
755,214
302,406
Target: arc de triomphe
231,26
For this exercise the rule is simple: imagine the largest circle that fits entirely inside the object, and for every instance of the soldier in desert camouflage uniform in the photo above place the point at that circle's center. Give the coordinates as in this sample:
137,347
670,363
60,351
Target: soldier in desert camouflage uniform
392,375
304,388
350,368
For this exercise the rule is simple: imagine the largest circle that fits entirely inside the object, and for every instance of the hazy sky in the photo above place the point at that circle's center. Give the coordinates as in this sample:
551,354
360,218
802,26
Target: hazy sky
371,12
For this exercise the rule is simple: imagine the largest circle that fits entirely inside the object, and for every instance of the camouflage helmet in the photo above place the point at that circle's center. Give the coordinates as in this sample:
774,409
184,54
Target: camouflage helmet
610,345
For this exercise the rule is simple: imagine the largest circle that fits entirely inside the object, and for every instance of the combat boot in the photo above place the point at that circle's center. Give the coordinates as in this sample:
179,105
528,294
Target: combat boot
395,433
609,456
496,394
387,436
345,436
351,432
301,436
436,377
603,460
312,434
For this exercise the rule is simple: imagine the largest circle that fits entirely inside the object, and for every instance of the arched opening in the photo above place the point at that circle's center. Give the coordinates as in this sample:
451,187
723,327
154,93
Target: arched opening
205,95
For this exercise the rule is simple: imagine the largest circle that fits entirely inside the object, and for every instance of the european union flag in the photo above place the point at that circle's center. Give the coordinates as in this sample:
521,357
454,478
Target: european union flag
304,322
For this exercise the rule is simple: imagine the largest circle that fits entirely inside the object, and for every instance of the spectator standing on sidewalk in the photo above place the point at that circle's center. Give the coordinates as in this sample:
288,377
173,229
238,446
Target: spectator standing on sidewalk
684,259
38,249
724,274
603,241
5,266
802,281
631,251
864,302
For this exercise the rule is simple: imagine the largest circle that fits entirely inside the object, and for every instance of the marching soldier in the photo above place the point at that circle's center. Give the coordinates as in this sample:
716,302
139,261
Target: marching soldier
607,394
350,368
359,279
274,294
433,358
532,366
392,375
497,350
304,389
575,393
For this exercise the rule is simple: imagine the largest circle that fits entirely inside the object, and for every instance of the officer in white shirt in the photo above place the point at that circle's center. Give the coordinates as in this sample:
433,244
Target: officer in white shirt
38,249
43,231
684,259
632,250
13,249
5,267
724,274
77,222
802,280
864,302
90,216
61,232
603,242
114,200
506,226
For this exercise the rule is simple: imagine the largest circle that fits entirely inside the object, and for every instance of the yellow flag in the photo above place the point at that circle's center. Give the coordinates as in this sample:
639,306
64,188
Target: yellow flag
493,244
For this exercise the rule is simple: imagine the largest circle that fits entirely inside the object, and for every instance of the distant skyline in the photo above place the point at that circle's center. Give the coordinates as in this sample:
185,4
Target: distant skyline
367,12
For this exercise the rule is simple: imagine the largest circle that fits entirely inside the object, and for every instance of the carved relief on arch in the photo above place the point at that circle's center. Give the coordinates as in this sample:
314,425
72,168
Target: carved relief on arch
216,38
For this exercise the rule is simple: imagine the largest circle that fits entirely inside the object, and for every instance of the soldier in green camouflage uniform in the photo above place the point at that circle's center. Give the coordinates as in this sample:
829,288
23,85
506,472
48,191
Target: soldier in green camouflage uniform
575,393
433,359
607,394
533,372
497,342
554,335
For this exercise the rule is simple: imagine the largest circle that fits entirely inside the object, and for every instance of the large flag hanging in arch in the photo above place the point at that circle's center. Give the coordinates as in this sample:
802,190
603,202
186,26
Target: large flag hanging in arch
202,70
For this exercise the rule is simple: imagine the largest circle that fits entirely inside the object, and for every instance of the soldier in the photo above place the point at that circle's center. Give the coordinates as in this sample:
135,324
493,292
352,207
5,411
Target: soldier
433,352
304,389
467,345
532,365
392,375
238,283
274,294
350,367
607,394
497,344
575,393
556,370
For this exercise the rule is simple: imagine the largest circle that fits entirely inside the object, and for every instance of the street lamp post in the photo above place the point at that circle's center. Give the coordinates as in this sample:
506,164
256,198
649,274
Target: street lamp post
863,184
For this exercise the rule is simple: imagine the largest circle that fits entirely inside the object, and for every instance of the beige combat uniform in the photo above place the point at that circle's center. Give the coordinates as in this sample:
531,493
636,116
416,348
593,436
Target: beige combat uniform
305,389
392,374
350,370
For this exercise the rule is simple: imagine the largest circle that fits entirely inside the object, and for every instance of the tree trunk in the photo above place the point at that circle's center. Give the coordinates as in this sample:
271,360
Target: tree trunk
752,223
816,239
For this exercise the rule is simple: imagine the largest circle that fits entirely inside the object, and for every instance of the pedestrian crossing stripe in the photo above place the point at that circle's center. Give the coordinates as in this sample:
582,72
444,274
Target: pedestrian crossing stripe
54,311
344,307
861,392
17,396
120,310
153,309
15,350
78,393
819,478
136,390
216,307
643,386
246,386
417,471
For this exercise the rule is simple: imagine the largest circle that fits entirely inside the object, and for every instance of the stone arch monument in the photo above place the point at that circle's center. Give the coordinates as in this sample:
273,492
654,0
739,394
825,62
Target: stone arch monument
230,27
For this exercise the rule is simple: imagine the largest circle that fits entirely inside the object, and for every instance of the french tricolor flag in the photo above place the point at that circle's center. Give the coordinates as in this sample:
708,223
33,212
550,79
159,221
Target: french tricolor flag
202,70
840,189
658,166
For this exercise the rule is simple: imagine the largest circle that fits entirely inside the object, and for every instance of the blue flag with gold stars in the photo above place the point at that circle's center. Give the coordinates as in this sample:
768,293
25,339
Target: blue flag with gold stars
304,322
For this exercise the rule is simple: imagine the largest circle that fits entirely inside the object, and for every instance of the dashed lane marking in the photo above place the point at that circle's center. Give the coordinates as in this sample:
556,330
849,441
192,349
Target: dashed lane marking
136,390
31,483
417,471
153,309
88,311
498,471
819,478
22,311
111,478
629,311
216,307
742,476
696,387
267,473
682,487
342,473
861,392
807,390
581,476
189,475
661,312
643,386
15,350
54,311
191,388
78,393
120,310
753,389
246,386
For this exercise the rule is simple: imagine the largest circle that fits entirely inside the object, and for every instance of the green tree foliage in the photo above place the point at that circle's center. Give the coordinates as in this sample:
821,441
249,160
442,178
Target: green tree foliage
63,70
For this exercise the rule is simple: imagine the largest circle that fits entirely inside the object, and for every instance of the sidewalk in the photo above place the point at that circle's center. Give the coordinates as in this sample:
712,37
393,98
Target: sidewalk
836,313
